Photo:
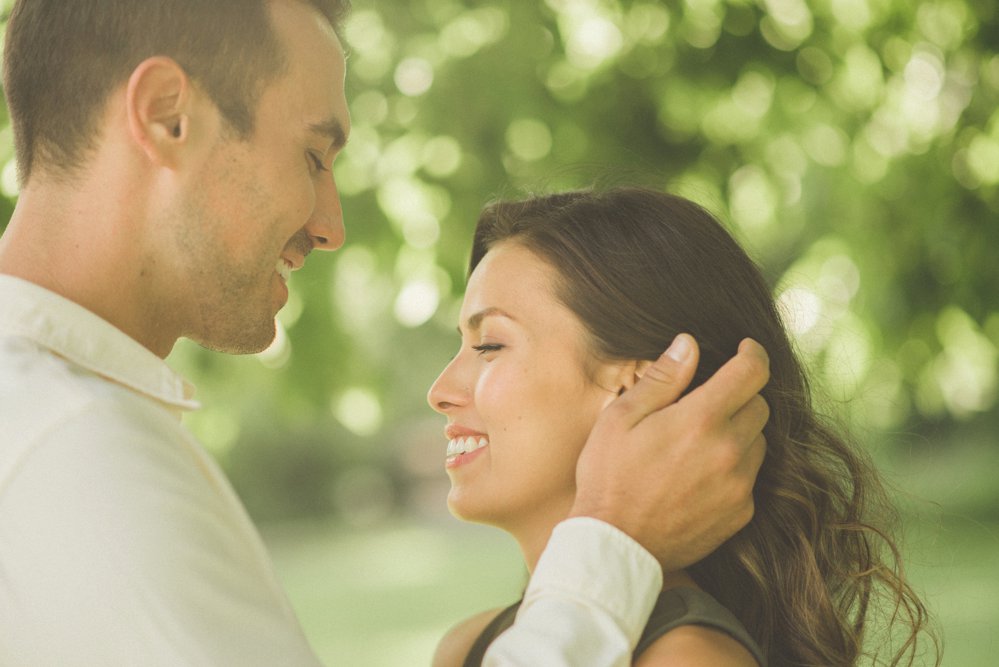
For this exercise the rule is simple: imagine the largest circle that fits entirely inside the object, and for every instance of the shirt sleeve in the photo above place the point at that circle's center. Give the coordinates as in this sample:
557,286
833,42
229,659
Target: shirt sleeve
586,604
121,544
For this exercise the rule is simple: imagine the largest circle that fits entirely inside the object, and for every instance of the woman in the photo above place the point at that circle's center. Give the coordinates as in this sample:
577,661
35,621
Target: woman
569,297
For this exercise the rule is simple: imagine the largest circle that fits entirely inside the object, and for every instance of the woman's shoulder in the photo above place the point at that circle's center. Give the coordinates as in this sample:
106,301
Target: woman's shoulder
689,628
696,646
455,645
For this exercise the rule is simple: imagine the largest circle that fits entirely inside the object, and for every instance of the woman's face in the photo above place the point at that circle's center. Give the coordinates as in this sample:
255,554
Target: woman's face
517,396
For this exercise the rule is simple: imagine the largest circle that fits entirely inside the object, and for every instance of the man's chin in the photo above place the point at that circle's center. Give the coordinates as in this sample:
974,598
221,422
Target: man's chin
248,340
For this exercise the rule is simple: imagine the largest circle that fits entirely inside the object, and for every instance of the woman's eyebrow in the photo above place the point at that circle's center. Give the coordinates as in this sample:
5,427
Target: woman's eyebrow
474,321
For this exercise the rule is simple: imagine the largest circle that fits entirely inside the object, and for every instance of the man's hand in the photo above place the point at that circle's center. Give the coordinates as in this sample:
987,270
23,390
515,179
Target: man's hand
678,475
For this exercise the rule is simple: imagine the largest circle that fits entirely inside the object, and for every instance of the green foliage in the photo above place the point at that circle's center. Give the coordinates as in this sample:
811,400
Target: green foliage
851,145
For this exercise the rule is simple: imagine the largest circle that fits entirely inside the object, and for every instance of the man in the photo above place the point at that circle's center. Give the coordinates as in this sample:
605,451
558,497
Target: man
175,161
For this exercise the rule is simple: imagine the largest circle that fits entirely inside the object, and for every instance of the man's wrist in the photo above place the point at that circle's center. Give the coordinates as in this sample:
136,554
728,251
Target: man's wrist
608,516
601,566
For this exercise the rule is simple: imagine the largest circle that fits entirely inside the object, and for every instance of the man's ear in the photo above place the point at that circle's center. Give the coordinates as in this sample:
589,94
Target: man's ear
158,98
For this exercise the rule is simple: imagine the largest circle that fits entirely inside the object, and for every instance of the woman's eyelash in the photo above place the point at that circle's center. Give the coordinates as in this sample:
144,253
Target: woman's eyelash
486,347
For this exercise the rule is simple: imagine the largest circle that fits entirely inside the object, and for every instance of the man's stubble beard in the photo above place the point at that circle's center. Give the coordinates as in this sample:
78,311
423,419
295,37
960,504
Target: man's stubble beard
233,308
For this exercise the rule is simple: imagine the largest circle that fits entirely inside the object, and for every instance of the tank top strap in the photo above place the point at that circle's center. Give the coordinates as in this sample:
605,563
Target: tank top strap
674,608
495,628
690,606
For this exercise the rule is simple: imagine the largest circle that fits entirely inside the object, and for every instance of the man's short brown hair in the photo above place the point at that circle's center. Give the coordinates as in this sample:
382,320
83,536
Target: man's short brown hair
62,60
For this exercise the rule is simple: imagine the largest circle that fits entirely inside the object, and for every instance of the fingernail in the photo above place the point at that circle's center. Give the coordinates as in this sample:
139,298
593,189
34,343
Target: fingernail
748,345
679,351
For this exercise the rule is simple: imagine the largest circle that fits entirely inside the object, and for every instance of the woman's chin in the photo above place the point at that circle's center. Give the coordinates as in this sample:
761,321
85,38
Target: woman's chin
464,508
460,508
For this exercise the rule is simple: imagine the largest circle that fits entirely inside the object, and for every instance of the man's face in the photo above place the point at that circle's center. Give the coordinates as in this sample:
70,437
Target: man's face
258,207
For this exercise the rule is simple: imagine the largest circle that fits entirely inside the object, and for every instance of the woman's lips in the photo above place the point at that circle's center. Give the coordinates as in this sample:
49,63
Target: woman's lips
456,458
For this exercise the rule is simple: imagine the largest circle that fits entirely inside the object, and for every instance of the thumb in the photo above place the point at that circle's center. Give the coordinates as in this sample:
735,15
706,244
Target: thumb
663,381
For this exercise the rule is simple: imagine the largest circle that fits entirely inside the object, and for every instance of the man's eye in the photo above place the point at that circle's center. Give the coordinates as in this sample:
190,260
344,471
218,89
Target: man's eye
317,162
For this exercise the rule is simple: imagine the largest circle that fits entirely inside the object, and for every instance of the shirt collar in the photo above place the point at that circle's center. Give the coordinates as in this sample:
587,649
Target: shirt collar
78,335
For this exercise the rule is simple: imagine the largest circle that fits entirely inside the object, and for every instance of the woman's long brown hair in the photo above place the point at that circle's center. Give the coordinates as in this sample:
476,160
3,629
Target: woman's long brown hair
816,577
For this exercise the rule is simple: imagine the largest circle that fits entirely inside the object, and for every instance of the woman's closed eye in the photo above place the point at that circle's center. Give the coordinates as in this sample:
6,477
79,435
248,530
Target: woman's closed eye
487,347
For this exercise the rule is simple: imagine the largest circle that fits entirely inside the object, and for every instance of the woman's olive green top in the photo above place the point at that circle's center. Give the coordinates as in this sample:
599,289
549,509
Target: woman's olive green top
674,608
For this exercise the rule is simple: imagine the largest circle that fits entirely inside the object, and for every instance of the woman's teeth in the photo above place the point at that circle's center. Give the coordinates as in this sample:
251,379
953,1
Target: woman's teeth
465,445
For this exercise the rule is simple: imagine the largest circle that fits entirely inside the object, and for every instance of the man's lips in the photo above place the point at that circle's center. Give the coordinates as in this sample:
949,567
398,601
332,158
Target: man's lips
284,269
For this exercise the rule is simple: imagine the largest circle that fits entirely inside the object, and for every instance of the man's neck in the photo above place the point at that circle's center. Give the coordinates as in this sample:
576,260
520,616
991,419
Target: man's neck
65,241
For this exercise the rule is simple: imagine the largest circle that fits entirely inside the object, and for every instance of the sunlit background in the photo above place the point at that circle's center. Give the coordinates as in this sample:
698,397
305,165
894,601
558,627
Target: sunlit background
851,145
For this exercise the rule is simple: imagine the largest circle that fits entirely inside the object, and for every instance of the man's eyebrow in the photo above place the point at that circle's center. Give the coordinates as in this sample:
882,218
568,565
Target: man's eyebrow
475,320
333,129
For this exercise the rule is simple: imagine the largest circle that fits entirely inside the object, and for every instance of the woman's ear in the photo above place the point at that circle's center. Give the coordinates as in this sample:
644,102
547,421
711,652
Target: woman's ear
158,97
631,373
618,377
640,367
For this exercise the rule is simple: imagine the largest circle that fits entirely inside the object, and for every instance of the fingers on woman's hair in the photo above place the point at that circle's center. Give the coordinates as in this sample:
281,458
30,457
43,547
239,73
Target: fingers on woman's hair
750,419
663,381
739,380
757,452
744,480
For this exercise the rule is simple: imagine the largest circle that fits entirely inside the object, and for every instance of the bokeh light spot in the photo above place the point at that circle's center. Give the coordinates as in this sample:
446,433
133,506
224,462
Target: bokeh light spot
417,302
529,139
414,76
359,410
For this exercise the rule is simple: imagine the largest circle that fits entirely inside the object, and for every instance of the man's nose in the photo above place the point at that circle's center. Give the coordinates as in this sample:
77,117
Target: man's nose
325,227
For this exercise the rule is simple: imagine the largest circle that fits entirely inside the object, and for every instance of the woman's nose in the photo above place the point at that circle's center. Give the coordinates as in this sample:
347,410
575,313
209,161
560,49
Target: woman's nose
447,390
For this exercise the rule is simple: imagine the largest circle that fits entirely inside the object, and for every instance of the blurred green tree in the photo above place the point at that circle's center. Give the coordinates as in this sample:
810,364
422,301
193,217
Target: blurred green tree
851,145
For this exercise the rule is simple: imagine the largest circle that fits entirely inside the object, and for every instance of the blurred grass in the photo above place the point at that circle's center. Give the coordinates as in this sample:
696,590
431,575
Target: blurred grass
382,596
953,561
947,486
